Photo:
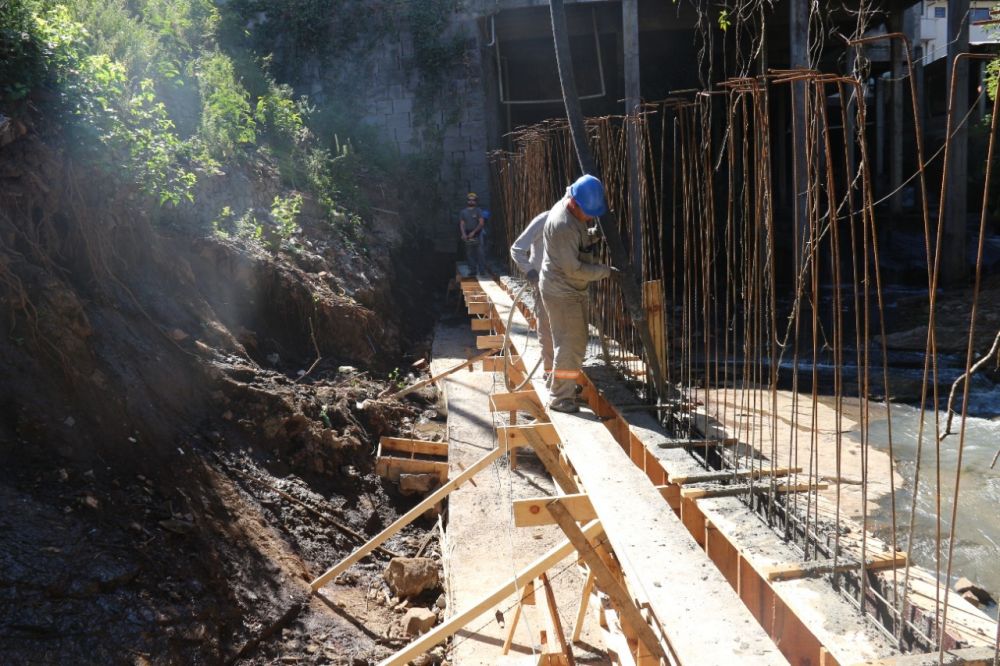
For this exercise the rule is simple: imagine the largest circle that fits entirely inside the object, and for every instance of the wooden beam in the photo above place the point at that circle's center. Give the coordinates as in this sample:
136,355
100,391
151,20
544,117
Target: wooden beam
565,651
610,585
405,519
795,570
411,446
729,491
482,325
441,375
492,342
452,625
534,511
526,401
581,614
704,477
514,436
547,454
478,308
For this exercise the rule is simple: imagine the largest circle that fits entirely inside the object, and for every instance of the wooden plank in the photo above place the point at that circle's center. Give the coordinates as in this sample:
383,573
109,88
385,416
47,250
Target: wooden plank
547,454
534,511
478,308
794,570
687,595
489,342
564,650
652,301
704,477
405,519
520,400
496,363
406,445
581,614
452,625
729,491
514,436
975,656
608,583
390,468
482,325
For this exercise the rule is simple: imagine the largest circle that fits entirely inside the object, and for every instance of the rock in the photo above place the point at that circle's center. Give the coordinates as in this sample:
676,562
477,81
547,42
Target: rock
90,502
441,602
346,370
177,335
69,422
273,359
411,484
966,587
409,576
418,621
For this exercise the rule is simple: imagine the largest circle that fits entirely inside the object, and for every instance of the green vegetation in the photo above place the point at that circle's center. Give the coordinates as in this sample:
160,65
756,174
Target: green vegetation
159,94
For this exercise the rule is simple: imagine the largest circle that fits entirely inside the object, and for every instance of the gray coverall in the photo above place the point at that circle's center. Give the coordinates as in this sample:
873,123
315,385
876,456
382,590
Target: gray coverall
527,252
567,270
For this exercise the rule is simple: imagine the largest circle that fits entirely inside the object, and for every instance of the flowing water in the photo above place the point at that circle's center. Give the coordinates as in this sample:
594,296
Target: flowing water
977,532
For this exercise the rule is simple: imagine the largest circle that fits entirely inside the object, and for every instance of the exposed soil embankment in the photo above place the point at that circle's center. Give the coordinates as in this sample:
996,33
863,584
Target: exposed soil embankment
187,424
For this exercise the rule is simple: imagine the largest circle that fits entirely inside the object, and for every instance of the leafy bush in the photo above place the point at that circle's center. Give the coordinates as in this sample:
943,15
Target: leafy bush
22,64
227,123
118,126
285,211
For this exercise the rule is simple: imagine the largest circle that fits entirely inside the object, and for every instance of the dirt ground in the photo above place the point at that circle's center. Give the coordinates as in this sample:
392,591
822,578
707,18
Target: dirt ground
188,425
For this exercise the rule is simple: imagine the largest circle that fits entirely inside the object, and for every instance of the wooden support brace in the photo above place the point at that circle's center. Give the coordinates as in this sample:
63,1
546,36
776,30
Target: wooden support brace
514,436
606,580
527,599
729,491
564,650
703,477
526,401
452,625
441,375
547,454
405,519
581,614
796,570
482,325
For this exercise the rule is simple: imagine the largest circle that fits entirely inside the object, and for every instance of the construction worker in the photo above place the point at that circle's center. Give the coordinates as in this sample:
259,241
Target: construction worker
471,225
527,253
567,271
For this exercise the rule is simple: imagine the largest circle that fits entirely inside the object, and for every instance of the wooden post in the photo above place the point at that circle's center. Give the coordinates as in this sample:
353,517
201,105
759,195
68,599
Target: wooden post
652,299
953,261
405,519
607,581
448,628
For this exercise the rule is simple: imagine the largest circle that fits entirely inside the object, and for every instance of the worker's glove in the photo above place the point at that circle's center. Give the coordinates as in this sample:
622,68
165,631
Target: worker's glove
532,276
594,235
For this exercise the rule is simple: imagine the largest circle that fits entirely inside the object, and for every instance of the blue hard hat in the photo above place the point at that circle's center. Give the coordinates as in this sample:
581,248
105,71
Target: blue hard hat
485,213
588,193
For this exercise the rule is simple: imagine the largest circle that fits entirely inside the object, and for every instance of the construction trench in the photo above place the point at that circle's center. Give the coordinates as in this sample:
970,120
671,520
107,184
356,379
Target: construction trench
765,465
336,449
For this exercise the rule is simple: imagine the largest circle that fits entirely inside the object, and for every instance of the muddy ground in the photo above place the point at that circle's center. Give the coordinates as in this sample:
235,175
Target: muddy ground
188,424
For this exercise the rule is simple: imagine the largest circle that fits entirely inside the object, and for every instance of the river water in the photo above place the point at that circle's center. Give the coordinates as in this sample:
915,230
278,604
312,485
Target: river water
977,533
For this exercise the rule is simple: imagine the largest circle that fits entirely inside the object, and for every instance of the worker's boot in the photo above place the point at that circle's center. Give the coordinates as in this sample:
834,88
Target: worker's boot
566,406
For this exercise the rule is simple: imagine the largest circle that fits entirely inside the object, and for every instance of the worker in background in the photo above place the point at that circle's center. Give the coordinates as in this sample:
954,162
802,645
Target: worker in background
568,268
527,253
472,226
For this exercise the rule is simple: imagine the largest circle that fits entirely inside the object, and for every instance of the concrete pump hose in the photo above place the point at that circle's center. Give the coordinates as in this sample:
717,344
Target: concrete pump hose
506,341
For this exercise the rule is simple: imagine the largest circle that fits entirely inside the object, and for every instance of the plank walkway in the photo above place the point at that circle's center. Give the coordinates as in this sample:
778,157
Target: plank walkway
700,616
